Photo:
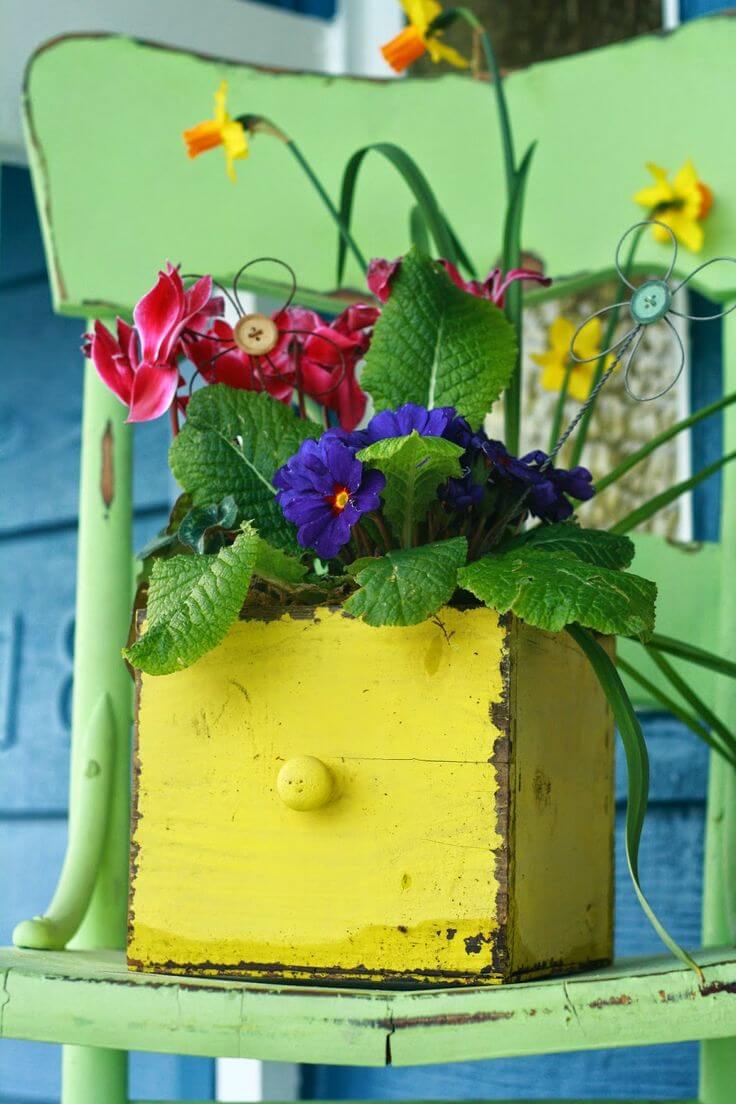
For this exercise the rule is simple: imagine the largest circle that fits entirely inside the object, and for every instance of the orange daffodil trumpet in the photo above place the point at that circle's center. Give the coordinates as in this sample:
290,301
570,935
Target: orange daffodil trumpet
681,204
419,38
557,364
223,131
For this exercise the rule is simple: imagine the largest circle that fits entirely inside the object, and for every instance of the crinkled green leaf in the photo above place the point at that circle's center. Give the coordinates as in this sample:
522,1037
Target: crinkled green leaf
406,587
414,467
438,346
192,601
596,546
232,444
555,589
275,566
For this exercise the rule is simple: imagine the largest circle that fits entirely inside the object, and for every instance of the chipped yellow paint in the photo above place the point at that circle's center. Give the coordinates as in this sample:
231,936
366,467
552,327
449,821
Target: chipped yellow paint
401,871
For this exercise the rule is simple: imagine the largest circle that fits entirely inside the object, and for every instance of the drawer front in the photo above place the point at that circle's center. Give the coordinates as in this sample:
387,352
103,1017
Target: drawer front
376,858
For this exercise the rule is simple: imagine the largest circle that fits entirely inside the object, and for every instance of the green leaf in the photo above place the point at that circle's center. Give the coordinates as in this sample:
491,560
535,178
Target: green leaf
167,539
675,709
438,346
702,710
661,438
554,589
658,502
637,766
692,654
231,444
192,601
415,180
275,566
414,467
594,546
204,526
406,587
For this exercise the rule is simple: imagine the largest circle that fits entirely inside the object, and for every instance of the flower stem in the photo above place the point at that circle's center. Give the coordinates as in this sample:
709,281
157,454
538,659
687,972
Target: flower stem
316,182
511,242
174,416
560,408
381,527
258,124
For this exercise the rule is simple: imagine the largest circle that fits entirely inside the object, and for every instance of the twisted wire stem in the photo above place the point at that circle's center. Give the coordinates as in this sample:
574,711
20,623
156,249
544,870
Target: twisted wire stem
623,349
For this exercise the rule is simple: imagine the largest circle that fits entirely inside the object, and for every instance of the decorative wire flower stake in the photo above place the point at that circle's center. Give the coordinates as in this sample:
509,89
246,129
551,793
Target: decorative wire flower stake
258,336
649,304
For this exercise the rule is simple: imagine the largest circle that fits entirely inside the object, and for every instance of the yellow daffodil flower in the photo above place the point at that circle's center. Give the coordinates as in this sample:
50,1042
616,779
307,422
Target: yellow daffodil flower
416,40
556,361
682,205
223,131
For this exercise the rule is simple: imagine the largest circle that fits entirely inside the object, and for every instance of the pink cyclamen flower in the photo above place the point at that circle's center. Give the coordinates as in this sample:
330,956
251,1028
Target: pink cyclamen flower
382,272
141,365
313,357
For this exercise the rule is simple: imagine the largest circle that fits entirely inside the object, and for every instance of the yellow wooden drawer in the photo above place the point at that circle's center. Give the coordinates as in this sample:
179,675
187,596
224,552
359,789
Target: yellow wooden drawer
466,835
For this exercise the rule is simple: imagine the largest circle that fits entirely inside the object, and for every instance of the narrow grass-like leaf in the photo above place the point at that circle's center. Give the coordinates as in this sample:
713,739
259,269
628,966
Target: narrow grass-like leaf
693,654
416,181
661,439
418,233
511,254
637,765
658,502
694,700
675,709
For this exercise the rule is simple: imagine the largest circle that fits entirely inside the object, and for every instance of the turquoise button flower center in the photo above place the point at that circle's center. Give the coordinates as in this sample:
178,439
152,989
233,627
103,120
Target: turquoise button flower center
650,302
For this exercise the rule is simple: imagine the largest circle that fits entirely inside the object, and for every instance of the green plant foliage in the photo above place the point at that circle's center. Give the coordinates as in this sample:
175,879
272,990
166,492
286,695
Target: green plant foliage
166,542
426,201
232,444
414,467
438,346
205,526
594,546
637,768
192,601
554,589
276,567
406,587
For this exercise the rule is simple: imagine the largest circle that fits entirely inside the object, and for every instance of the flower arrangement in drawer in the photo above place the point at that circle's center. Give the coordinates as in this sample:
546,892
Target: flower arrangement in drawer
374,643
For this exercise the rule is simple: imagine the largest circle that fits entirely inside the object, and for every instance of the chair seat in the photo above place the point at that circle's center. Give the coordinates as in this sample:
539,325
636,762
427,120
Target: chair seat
90,998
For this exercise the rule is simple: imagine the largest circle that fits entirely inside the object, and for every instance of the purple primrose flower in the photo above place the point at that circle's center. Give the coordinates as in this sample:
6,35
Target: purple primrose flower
546,491
324,491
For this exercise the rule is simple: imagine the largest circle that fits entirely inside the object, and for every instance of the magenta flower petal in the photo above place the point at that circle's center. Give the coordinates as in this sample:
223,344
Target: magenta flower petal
110,361
156,315
154,388
380,274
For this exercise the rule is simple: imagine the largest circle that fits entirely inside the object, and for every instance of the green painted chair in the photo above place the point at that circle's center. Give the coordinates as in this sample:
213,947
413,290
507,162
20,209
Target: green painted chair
117,197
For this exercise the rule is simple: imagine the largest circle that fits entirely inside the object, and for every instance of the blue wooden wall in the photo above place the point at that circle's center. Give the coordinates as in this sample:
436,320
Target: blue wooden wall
39,466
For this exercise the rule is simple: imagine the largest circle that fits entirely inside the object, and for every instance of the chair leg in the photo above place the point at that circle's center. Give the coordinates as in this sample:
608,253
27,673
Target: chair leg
104,588
718,1056
90,1075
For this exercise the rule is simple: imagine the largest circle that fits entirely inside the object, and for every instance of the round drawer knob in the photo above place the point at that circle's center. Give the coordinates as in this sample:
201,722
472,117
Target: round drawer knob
304,783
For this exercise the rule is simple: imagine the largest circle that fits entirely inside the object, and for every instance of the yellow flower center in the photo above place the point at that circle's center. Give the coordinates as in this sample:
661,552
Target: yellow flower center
340,499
